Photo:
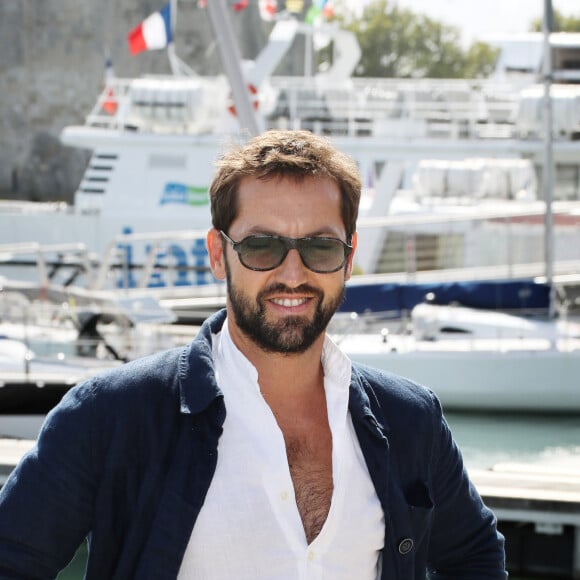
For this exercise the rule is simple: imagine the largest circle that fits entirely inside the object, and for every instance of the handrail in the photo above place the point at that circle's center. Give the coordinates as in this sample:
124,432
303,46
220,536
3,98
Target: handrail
454,108
40,251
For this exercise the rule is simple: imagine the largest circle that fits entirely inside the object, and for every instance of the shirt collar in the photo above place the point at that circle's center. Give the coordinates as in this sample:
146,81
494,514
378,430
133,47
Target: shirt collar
198,385
233,368
336,365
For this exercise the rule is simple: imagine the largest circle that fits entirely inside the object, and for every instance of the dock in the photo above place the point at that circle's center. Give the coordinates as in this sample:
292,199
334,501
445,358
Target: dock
538,512
537,506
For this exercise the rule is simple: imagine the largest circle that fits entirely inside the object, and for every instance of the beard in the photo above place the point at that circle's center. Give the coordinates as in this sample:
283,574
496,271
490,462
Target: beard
290,335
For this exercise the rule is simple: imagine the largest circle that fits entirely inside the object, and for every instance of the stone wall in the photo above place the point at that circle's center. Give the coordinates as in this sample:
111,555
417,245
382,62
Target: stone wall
52,55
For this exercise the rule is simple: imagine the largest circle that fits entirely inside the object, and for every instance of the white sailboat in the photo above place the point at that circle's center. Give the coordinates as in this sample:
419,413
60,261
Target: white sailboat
488,361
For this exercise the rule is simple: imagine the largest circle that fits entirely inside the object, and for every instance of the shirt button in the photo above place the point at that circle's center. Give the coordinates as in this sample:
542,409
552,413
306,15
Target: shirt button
311,555
284,495
405,546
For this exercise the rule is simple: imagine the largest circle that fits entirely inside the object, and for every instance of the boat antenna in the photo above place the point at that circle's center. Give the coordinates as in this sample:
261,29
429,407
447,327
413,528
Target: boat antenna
548,162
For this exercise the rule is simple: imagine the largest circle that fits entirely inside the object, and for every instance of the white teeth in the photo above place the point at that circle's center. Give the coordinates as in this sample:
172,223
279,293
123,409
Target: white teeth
289,302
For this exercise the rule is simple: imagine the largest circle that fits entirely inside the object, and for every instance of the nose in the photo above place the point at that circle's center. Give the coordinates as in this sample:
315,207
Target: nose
292,270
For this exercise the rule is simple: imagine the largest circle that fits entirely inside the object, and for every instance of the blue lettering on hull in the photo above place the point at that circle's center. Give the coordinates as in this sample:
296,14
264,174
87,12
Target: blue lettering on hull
175,265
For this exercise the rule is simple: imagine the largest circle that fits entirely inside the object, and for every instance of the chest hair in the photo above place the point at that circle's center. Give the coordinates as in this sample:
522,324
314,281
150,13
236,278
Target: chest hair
310,463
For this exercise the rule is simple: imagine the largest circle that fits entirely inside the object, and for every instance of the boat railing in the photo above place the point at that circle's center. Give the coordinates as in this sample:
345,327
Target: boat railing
476,245
172,105
49,261
454,108
408,251
397,108
479,242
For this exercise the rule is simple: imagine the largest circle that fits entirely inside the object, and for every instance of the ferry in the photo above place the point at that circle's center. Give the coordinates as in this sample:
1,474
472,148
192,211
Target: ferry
452,169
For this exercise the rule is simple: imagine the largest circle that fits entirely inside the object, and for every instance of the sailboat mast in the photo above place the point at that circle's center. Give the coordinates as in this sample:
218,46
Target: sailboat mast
232,63
548,162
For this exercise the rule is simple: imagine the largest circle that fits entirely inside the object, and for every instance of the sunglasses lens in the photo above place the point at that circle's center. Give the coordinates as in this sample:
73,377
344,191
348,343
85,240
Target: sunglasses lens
322,255
262,252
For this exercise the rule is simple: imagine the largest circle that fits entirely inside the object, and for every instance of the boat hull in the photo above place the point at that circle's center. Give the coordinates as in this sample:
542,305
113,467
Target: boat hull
470,379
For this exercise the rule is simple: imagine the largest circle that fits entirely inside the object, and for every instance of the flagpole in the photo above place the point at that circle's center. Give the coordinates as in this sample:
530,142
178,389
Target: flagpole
548,163
231,61
171,45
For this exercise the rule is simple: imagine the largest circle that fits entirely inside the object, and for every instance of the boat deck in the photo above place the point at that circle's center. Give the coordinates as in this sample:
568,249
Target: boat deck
537,506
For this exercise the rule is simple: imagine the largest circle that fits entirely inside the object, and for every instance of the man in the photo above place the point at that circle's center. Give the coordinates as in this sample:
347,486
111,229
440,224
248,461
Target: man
259,451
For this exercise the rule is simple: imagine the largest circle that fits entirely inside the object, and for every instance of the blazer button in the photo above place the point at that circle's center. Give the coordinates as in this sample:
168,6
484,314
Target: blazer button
405,546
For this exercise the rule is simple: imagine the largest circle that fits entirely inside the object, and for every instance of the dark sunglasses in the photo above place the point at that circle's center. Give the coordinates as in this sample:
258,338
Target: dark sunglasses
263,252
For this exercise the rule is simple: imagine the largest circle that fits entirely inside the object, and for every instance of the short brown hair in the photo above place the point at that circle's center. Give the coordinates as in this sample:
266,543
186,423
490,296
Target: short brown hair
275,154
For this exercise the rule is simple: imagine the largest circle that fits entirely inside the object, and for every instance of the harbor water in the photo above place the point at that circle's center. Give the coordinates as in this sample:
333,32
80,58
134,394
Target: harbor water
486,440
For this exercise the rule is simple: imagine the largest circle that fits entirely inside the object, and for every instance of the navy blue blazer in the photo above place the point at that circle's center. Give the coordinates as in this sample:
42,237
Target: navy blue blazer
127,457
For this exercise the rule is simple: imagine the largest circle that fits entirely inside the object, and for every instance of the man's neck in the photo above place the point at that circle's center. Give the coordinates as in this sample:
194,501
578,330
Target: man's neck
285,377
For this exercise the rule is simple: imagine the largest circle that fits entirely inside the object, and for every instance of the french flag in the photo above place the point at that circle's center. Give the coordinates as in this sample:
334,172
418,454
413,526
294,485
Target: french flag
153,33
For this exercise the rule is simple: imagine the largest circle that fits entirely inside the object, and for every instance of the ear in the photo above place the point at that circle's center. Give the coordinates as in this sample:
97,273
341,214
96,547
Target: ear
349,262
215,250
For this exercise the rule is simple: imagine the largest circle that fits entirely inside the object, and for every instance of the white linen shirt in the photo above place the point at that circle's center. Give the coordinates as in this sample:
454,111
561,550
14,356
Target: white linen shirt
249,527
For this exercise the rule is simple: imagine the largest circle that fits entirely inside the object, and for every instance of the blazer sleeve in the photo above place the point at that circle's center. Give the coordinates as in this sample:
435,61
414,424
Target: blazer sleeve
464,539
46,505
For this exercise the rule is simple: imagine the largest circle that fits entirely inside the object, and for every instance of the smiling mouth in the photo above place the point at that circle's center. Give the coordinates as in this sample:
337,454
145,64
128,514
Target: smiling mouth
289,302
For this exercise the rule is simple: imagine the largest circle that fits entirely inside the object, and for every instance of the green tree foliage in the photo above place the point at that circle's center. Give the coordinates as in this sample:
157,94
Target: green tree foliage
480,60
396,42
560,23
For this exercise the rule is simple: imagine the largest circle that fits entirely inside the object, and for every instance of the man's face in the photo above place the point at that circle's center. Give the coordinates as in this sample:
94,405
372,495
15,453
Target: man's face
284,310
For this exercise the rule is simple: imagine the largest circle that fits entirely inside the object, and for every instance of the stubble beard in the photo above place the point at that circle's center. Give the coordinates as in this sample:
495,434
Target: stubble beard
290,335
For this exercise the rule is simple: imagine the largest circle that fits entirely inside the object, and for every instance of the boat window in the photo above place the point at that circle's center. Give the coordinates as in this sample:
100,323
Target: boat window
567,181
